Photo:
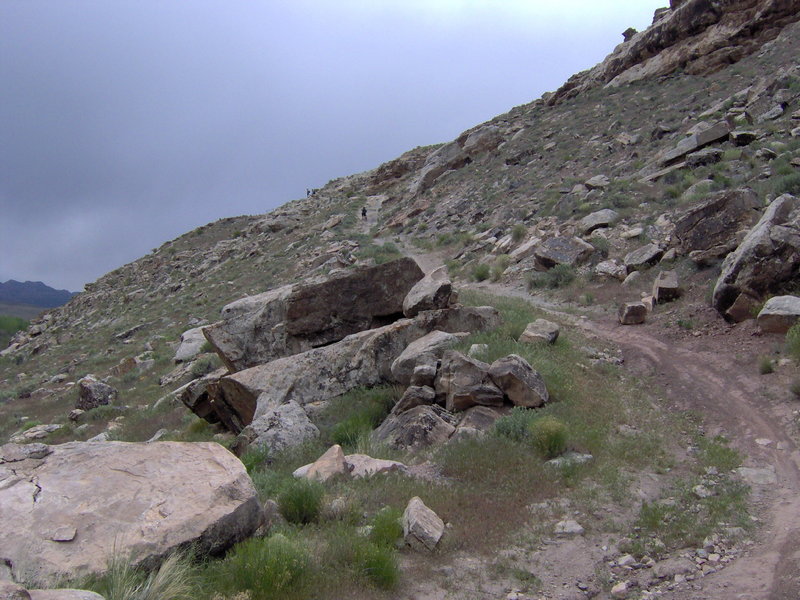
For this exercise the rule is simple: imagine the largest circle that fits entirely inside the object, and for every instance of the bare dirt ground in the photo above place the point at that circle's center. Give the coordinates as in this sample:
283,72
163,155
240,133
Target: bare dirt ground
711,368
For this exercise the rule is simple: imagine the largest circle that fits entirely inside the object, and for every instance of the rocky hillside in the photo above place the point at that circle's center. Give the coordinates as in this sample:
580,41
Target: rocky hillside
661,184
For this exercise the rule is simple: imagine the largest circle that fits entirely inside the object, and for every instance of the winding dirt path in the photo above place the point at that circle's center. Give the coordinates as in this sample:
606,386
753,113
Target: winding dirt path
733,402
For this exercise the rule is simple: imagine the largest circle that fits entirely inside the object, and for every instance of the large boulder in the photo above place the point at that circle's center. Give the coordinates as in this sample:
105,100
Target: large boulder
93,393
562,251
601,218
422,528
768,257
643,257
430,293
463,382
418,427
519,382
779,314
710,229
318,375
666,287
282,426
632,313
70,508
296,318
427,350
692,143
540,330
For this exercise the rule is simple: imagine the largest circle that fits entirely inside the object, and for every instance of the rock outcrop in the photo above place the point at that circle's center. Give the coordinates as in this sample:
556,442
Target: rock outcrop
295,318
69,508
699,36
768,257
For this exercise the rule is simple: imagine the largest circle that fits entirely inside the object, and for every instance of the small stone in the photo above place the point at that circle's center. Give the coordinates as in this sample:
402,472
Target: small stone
702,491
568,527
478,350
541,330
620,590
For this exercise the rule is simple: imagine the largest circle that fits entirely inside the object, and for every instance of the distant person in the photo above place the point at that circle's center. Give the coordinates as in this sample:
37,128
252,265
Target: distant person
364,212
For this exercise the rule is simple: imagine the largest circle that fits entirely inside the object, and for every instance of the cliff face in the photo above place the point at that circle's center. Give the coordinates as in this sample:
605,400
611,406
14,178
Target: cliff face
699,36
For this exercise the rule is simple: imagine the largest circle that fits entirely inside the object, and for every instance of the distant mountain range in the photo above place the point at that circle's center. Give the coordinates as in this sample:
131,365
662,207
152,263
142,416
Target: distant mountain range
33,293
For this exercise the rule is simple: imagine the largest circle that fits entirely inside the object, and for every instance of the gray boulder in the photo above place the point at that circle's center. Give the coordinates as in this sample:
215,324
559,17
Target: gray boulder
282,426
647,255
601,218
475,422
427,350
414,396
611,269
666,287
779,314
192,342
64,594
422,528
93,393
562,251
418,427
706,156
519,382
710,229
695,142
71,510
296,318
463,382
430,293
768,257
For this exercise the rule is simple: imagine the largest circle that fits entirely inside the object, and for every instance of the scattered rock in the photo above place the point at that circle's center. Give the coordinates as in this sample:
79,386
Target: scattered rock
415,396
477,350
743,138
568,527
282,426
427,350
93,393
361,465
328,465
779,314
418,427
541,330
632,313
601,218
667,569
192,342
619,590
597,182
519,382
37,432
568,459
422,528
695,142
611,269
707,156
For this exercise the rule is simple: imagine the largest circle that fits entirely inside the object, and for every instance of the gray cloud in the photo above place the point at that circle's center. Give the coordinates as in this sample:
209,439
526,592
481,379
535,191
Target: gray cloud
127,123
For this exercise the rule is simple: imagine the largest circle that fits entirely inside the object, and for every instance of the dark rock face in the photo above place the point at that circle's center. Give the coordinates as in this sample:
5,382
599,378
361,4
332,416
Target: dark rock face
418,427
768,257
463,382
93,393
295,318
699,36
710,228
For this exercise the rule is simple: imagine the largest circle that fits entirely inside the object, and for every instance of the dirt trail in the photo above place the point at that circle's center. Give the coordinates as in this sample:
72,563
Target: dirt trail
734,402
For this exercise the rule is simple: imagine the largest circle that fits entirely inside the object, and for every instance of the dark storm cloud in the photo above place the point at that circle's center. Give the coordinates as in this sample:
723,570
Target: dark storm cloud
124,124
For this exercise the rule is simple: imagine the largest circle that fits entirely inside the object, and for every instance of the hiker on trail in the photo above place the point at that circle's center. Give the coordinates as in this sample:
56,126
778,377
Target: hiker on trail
364,213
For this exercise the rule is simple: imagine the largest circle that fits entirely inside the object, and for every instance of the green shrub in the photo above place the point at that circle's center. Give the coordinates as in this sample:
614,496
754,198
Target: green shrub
793,340
204,365
548,436
267,568
481,272
174,580
386,527
378,564
300,501
518,233
557,277
788,184
30,424
515,425
765,366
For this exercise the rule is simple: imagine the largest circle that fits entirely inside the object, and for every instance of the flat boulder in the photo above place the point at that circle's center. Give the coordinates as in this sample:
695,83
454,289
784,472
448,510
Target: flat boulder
632,313
418,427
611,269
779,314
73,509
298,317
540,330
463,382
643,257
330,464
571,251
767,258
601,218
430,293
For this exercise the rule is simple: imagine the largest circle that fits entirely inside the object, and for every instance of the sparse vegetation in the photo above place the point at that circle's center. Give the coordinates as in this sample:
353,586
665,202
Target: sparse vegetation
301,501
481,272
793,341
558,277
765,365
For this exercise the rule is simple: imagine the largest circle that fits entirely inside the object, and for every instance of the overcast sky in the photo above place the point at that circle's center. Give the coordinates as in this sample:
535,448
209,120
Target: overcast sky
124,124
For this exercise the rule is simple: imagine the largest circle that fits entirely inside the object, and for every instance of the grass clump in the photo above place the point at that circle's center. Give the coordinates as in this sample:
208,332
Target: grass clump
518,233
266,568
558,277
515,425
788,184
300,501
380,253
204,365
793,340
548,436
481,272
765,365
386,527
175,579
